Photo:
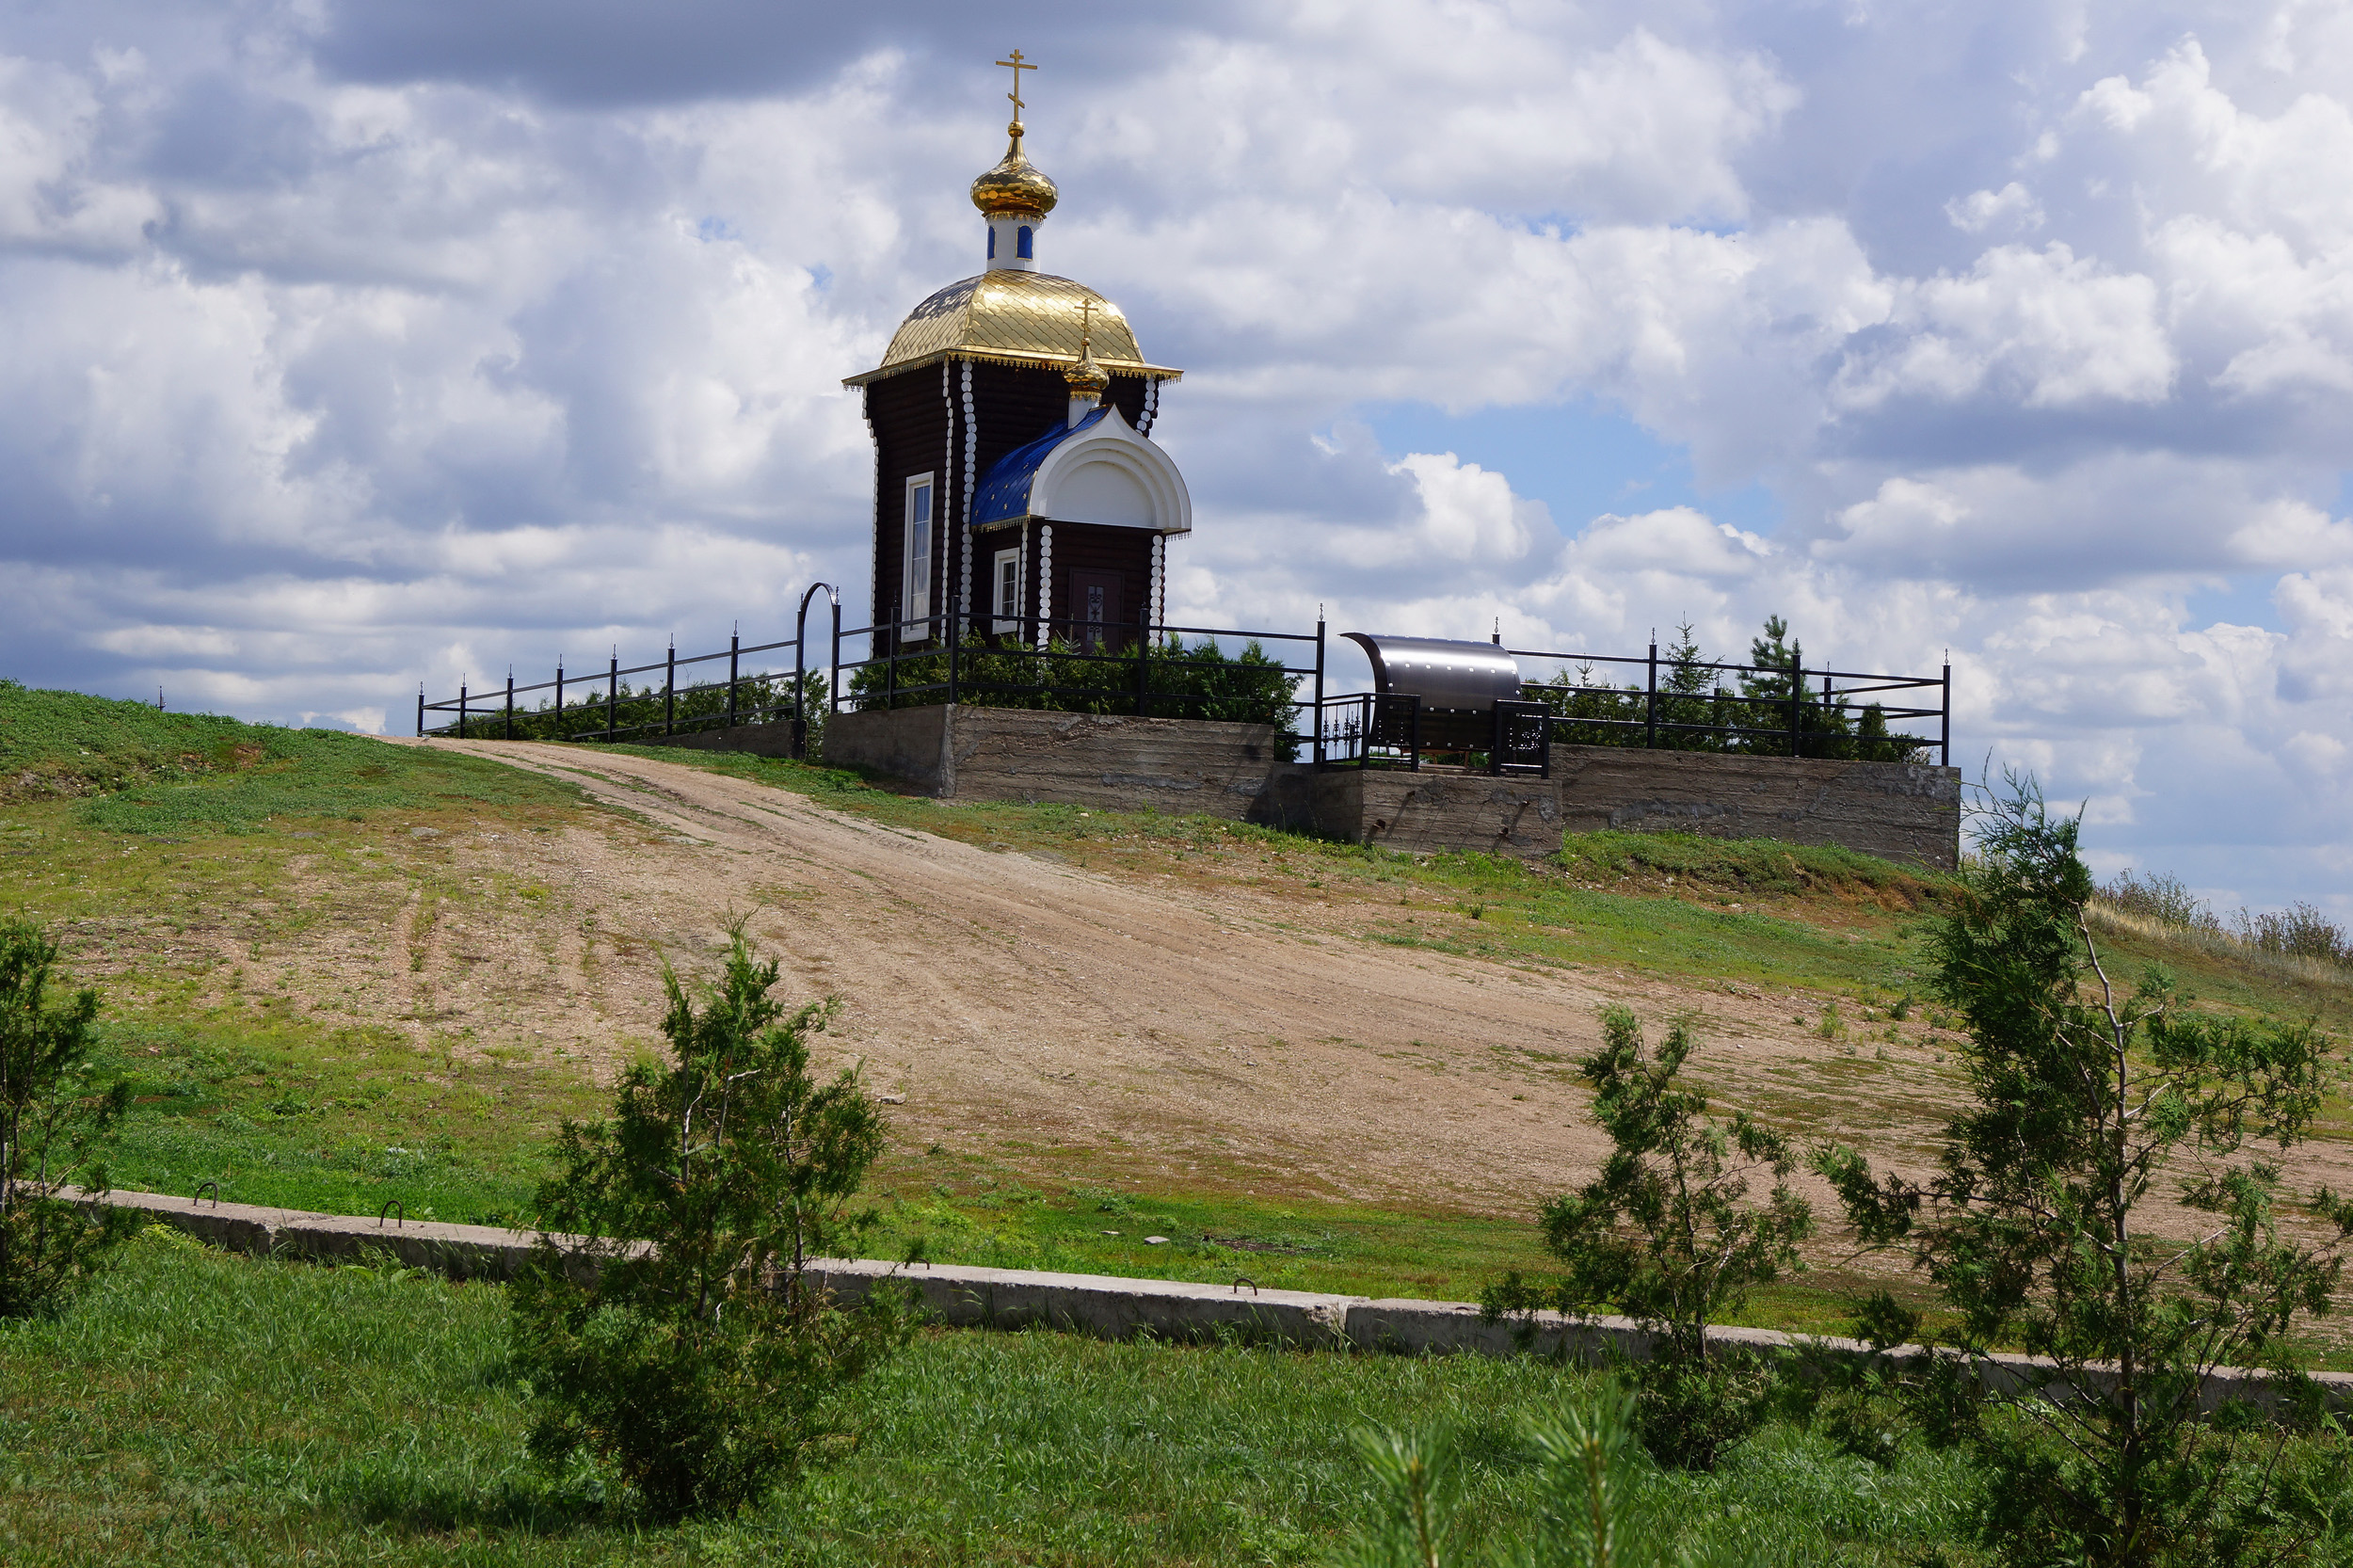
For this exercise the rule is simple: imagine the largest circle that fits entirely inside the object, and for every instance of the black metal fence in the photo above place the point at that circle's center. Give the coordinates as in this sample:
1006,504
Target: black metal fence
1776,711
1076,667
1153,671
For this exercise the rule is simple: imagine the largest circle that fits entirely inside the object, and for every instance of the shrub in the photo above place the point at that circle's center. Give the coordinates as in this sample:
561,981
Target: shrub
1592,1511
2299,931
2035,1230
677,1333
55,1121
1666,1236
2159,896
1197,681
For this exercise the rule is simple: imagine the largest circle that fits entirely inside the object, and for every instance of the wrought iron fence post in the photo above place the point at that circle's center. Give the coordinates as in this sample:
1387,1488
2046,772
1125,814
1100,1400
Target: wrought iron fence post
613,696
420,708
509,727
1797,700
1319,710
559,699
1650,702
669,689
833,670
735,642
461,710
1945,716
956,651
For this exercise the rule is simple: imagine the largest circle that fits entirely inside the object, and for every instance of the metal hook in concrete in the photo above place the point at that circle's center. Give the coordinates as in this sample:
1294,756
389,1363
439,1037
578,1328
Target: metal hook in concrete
391,1204
199,1193
1241,1280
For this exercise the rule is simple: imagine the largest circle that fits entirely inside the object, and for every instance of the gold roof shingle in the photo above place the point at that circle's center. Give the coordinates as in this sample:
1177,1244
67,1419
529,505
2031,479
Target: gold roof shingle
1014,317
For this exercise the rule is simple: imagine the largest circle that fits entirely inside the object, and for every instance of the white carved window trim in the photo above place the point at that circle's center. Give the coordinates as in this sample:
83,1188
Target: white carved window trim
914,592
1004,591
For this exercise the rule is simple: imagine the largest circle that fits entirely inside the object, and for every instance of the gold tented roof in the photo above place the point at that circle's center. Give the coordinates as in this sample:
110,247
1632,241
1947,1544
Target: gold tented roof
1014,317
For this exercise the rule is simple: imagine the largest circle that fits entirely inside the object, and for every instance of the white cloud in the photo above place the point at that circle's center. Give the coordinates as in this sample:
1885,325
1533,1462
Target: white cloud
322,372
2013,207
2043,328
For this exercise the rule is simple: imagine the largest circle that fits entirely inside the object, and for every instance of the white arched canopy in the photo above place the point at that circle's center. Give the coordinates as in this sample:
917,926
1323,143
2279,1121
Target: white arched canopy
1107,473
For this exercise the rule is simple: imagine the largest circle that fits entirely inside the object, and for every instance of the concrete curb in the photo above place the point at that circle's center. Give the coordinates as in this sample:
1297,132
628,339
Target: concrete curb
1112,1307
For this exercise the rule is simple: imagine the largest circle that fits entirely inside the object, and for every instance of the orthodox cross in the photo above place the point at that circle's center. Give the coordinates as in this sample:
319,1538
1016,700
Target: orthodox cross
1017,65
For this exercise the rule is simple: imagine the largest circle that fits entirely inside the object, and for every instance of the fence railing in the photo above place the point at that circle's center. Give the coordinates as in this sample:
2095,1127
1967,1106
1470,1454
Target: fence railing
1778,710
1150,670
573,704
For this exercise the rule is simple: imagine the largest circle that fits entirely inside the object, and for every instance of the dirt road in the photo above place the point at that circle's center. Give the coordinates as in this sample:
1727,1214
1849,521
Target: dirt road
1028,1005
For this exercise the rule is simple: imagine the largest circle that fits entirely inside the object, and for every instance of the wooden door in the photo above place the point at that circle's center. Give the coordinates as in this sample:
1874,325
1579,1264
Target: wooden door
1094,604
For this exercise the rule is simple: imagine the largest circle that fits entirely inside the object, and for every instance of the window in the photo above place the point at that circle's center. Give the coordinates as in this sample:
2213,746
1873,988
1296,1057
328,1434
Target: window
1005,592
916,601
1021,242
992,242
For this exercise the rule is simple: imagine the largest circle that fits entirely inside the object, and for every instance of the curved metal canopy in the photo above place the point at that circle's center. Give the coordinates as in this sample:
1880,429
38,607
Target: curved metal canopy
1446,675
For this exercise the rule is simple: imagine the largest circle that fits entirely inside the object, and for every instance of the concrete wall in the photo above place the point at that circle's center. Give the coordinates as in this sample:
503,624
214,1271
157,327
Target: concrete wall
1112,1307
1897,810
1193,766
909,744
1428,812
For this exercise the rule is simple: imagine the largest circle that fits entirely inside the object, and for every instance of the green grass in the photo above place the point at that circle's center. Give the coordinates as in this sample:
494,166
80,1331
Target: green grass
197,1408
277,1110
137,770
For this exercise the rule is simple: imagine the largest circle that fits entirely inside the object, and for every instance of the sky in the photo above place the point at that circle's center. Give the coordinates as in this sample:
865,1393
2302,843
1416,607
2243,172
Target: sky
345,347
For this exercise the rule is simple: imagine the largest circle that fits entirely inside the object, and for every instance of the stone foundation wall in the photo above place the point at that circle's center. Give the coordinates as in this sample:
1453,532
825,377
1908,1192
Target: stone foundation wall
1195,766
1908,811
909,744
1897,810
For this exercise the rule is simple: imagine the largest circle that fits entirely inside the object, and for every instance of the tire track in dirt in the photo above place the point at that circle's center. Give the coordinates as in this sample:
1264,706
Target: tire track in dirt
1019,1003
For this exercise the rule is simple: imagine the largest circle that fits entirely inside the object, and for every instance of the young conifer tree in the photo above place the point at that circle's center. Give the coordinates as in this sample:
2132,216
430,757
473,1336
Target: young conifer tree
668,1322
55,1121
1666,1235
2090,1103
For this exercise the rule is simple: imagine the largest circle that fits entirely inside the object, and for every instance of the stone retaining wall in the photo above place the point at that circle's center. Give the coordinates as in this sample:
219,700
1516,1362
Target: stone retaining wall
1109,1306
1204,767
1897,810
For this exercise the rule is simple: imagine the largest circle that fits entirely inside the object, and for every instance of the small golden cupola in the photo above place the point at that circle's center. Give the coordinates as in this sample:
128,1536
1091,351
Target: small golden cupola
1086,379
1015,195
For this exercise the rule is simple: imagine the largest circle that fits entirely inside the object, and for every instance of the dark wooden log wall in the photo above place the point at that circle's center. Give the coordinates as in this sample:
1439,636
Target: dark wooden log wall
911,419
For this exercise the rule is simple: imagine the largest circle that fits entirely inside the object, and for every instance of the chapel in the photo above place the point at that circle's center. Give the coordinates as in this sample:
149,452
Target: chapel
1018,493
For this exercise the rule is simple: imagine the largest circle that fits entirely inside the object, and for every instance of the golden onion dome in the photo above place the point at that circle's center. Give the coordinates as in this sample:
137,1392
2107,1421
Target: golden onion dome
1017,318
1016,185
1087,376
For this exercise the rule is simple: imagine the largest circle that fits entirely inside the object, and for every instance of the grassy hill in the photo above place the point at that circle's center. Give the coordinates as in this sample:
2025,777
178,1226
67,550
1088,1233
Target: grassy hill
131,769
168,849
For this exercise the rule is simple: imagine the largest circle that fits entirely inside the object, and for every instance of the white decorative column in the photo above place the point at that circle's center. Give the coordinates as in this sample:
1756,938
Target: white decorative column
940,534
1044,582
972,452
1160,577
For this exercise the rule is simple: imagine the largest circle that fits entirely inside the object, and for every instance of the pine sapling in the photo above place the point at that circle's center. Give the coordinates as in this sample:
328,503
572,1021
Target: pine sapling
1668,1236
